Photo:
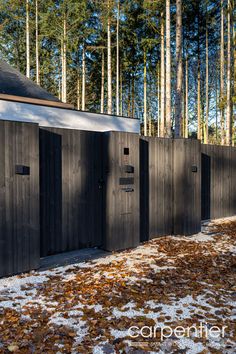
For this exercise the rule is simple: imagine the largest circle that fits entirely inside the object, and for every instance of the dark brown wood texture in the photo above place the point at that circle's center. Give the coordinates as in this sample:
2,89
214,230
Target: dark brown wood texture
71,200
218,181
19,198
121,202
170,190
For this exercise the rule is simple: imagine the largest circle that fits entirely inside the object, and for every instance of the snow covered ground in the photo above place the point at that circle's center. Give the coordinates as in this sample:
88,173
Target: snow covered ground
90,307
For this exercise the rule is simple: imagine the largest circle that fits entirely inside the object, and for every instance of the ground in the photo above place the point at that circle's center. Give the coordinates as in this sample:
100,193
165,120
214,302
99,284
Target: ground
89,307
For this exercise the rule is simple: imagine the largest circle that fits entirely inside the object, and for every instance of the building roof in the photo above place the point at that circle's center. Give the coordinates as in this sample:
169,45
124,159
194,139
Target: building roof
13,83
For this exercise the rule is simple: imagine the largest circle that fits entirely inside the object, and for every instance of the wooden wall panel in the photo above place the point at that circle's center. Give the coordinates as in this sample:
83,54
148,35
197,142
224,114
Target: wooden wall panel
173,193
187,186
71,200
121,201
19,198
219,191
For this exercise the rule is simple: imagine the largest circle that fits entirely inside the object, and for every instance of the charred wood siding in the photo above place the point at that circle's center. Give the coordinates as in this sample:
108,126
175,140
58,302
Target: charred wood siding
121,190
19,198
218,181
170,187
70,194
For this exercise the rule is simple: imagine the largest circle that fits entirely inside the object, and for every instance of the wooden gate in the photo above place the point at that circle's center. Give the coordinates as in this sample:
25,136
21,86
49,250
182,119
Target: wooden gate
70,190
170,185
121,190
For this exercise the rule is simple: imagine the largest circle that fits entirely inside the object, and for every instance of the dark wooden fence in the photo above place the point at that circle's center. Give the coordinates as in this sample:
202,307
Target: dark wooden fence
107,190
121,190
71,202
19,197
218,181
170,178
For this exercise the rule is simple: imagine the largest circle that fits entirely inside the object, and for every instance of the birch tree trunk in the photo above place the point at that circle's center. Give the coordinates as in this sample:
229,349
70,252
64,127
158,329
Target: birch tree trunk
64,64
228,107
109,69
37,43
145,93
186,98
83,80
222,64
162,116
168,71
179,69
27,41
117,60
102,83
207,90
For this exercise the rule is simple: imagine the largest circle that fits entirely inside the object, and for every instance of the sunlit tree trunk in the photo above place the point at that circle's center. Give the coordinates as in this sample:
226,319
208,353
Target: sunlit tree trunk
64,63
83,80
158,99
222,64
37,43
145,93
132,95
102,83
168,71
162,115
121,93
27,40
228,104
199,120
179,69
207,90
78,91
186,98
117,60
109,69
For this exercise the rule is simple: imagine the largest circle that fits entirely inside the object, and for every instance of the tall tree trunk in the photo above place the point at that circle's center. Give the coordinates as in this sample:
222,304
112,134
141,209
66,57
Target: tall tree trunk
158,99
234,69
83,80
121,93
145,93
222,65
199,119
64,64
117,60
168,71
102,82
109,69
162,117
207,89
78,92
179,69
228,107
216,97
132,95
27,41
186,98
37,42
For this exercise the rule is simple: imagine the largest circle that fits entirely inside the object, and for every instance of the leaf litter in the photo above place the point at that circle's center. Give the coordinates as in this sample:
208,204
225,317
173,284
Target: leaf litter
88,307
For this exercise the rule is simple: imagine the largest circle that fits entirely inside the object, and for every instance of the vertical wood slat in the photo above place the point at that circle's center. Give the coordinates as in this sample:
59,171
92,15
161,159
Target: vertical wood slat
75,217
19,198
221,188
121,205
